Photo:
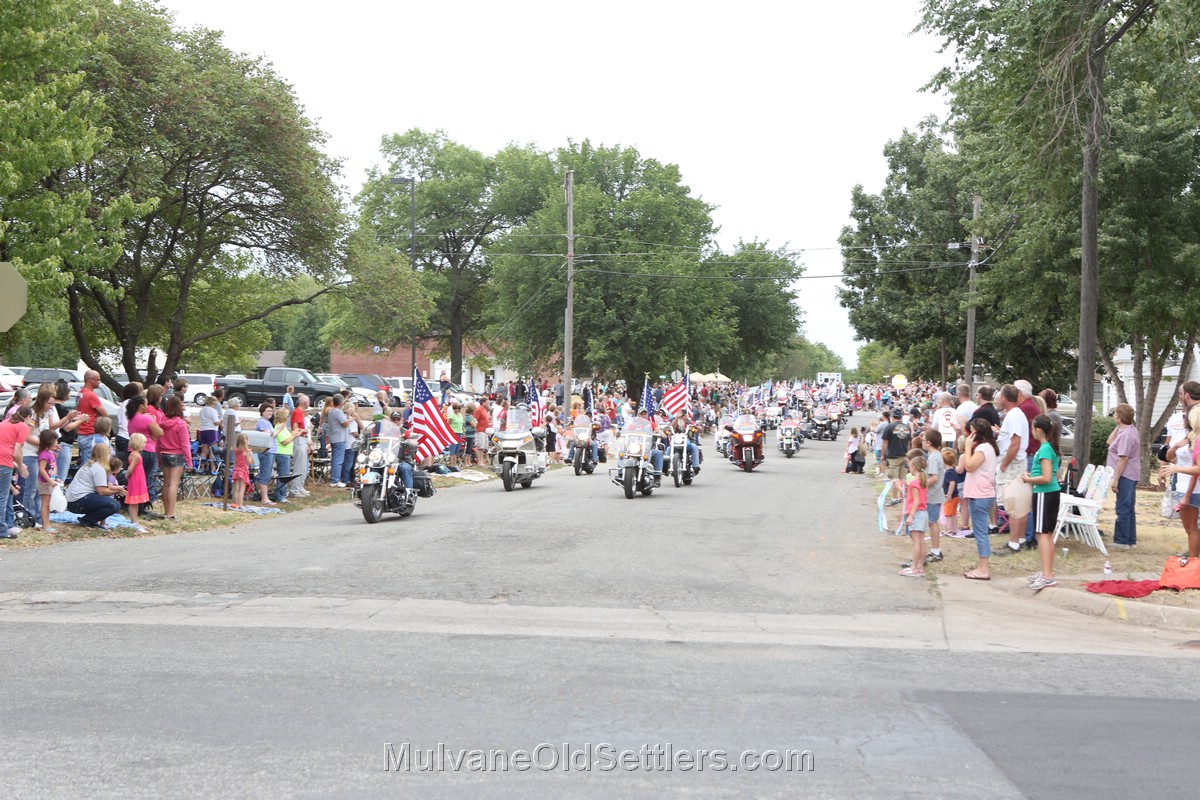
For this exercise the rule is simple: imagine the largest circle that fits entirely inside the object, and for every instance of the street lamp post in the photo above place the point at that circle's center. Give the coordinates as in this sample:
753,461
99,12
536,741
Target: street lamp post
412,246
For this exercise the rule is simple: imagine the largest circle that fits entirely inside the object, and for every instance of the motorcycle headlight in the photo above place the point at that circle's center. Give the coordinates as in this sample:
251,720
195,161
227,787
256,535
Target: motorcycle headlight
389,458
747,438
375,459
362,459
635,448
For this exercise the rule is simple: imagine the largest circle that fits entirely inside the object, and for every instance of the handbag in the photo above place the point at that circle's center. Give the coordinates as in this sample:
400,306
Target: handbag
1169,507
58,500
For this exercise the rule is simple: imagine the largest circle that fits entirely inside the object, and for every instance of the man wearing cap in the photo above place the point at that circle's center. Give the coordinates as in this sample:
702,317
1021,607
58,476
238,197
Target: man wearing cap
656,454
393,428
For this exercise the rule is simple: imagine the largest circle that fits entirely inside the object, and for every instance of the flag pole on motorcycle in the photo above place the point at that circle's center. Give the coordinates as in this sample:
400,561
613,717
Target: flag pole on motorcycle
647,401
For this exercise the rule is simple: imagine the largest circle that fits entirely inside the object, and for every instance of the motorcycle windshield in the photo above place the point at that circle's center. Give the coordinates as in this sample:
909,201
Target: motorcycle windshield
583,426
726,421
787,430
745,424
519,419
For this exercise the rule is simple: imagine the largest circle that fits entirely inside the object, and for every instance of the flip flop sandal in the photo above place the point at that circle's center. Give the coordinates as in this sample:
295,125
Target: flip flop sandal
971,577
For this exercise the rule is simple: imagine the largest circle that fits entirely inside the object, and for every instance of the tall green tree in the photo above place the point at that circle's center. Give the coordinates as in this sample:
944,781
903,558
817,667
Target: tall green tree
803,359
383,303
464,201
1037,69
901,281
50,122
877,361
235,196
649,288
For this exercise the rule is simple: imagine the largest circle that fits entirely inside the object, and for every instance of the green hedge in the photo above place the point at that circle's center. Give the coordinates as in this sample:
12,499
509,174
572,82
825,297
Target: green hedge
1101,428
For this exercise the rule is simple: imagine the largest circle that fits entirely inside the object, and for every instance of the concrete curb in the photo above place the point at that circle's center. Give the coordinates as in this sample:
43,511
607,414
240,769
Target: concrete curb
1070,594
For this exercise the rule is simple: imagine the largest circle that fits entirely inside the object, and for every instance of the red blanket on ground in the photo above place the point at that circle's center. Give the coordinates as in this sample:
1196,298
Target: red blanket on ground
1123,588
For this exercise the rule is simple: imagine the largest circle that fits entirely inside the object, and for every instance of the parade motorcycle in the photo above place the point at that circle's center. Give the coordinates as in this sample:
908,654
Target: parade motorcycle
746,442
822,426
634,471
584,436
517,453
380,488
836,421
722,438
789,438
680,455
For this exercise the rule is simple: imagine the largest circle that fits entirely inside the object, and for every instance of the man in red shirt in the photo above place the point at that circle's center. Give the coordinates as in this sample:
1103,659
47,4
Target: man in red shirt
1030,409
90,407
299,422
483,421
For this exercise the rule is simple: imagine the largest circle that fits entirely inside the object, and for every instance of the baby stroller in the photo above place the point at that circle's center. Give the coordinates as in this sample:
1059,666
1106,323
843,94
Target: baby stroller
22,516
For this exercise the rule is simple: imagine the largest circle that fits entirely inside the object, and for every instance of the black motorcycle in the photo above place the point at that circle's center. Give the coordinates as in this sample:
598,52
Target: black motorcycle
380,488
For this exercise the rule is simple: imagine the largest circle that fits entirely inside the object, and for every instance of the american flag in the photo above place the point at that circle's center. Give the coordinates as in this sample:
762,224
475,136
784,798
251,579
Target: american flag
678,398
428,424
647,397
589,401
537,414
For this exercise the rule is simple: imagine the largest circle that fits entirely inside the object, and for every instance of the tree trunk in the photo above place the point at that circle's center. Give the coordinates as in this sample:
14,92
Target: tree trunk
1089,294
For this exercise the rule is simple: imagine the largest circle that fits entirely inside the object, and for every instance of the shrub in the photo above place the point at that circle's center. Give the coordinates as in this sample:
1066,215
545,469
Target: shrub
1101,428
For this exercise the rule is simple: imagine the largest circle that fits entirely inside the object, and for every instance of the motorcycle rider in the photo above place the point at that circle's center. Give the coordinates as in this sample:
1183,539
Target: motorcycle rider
656,453
595,443
681,424
393,428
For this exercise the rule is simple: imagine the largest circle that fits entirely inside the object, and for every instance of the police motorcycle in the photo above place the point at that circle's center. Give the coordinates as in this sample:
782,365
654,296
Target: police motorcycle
635,468
722,438
822,426
585,449
381,464
517,453
679,456
789,436
746,442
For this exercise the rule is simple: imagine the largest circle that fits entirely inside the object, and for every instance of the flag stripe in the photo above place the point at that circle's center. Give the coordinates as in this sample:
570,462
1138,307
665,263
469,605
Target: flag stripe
537,414
428,424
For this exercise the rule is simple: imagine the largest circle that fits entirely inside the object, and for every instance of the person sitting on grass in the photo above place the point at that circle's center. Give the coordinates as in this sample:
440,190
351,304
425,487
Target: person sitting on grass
89,493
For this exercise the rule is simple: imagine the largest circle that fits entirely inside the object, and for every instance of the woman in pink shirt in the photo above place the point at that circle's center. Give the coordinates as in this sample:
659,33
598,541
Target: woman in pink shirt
141,421
174,451
979,458
14,430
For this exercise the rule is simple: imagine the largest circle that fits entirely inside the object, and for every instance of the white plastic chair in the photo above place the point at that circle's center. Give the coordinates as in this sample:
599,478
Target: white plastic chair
1078,516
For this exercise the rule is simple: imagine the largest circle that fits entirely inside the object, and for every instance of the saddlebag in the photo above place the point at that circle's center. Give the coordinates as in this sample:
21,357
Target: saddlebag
422,483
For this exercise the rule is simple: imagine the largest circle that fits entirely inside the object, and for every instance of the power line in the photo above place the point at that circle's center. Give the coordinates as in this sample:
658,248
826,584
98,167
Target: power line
930,266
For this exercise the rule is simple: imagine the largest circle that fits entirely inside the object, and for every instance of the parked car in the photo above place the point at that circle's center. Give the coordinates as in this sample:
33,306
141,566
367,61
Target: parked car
274,383
200,386
40,375
10,379
360,396
401,389
1066,406
372,383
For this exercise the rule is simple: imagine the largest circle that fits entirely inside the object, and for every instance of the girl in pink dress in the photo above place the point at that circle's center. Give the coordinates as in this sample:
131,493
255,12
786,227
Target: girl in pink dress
136,491
241,469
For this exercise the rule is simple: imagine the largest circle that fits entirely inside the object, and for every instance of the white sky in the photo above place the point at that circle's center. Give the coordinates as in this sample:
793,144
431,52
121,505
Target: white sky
773,110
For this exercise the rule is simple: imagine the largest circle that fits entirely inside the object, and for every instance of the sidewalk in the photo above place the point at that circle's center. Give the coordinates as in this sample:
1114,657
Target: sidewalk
1070,594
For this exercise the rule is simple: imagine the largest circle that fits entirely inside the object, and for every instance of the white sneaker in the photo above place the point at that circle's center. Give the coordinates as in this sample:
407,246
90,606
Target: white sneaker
14,530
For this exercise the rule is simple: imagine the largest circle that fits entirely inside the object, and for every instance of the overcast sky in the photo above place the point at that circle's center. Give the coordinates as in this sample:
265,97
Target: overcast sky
772,110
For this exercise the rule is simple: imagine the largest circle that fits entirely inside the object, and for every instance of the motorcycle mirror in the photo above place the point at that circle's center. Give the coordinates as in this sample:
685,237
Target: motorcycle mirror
490,431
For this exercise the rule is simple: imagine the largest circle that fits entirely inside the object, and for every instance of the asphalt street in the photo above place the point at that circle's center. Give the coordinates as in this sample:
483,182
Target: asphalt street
758,616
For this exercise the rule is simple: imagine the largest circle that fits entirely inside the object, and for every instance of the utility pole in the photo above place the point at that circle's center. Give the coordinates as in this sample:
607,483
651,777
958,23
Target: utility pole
569,333
976,240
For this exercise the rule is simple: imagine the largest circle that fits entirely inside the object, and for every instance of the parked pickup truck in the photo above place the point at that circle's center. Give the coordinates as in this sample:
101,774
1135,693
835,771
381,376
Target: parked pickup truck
274,385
